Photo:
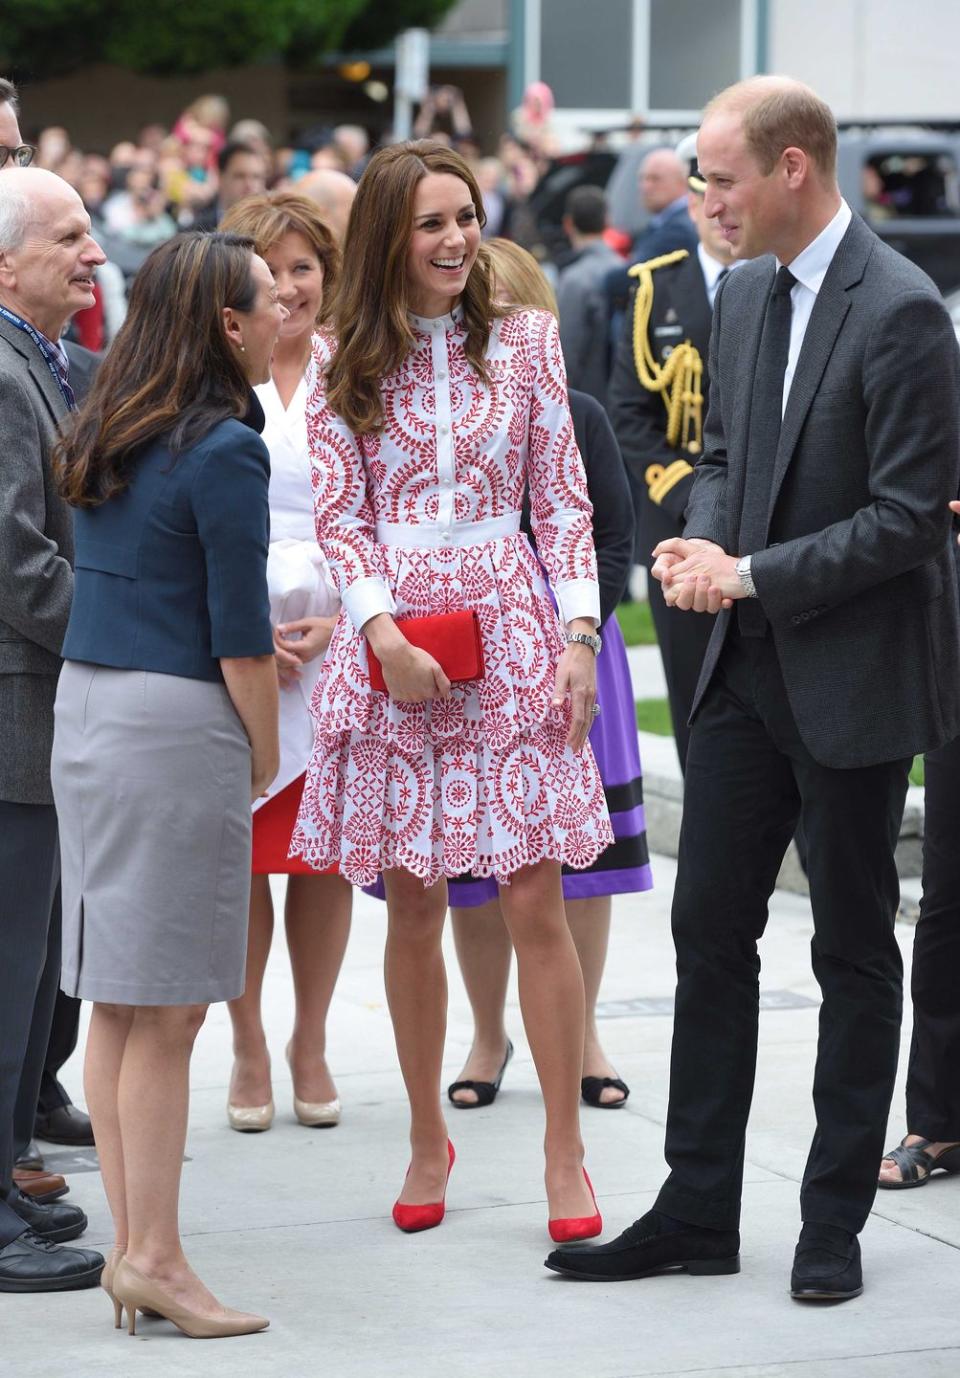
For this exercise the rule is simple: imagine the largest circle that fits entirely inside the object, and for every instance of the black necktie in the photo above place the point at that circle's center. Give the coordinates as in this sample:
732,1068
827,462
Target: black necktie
712,291
766,409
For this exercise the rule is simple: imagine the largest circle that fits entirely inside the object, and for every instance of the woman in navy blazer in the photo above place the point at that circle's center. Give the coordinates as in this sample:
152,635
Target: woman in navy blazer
166,726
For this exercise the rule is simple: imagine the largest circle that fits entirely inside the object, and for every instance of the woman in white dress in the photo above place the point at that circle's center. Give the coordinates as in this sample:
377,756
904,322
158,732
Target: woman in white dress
298,247
436,410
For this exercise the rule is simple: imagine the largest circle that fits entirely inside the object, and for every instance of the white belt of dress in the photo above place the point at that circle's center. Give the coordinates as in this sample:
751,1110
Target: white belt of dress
434,535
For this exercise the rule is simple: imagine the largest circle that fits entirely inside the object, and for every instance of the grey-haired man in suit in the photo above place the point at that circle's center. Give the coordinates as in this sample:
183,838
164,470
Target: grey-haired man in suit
47,266
818,534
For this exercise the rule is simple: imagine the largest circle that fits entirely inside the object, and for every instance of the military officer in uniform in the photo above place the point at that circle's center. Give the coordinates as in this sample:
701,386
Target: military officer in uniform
656,402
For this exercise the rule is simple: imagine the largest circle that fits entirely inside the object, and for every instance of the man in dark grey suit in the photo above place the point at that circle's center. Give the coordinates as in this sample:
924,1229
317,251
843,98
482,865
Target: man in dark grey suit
47,266
818,533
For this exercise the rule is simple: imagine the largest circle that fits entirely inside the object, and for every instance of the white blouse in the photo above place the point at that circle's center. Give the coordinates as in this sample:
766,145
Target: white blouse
298,577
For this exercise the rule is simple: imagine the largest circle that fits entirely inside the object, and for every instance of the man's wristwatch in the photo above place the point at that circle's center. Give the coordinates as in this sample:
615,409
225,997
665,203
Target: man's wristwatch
594,642
746,578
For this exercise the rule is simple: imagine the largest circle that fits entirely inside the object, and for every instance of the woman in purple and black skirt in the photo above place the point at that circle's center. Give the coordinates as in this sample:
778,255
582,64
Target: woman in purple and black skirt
483,945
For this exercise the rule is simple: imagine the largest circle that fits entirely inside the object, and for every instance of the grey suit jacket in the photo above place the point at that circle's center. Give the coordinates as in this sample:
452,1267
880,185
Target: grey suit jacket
857,574
36,578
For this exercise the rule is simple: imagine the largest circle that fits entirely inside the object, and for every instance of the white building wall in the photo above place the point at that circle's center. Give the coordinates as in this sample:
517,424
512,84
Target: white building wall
871,57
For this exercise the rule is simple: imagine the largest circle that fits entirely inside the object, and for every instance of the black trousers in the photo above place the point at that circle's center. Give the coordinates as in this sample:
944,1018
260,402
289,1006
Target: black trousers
60,1047
933,1078
749,780
29,973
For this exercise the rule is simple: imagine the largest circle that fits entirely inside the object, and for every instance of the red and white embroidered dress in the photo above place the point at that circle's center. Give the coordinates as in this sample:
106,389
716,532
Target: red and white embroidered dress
424,518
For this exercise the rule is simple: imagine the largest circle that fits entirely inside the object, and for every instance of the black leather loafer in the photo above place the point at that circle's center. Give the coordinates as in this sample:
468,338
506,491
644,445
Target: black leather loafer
643,1250
56,1221
826,1265
65,1125
32,1264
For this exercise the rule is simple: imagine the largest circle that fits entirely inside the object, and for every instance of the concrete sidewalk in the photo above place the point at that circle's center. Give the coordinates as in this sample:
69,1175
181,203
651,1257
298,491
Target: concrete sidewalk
296,1223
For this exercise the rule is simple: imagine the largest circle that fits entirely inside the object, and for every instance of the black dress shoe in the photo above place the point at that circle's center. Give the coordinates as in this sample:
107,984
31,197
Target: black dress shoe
65,1125
826,1265
56,1221
31,1159
32,1264
645,1248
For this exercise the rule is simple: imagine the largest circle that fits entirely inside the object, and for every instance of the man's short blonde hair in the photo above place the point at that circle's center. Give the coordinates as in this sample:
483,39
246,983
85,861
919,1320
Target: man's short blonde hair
778,113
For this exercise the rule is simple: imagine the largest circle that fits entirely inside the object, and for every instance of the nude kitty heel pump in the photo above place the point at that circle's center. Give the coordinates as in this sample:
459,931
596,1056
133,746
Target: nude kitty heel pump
136,1293
106,1282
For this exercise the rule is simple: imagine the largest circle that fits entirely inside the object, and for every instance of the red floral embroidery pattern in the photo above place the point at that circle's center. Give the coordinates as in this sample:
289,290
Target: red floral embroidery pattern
484,780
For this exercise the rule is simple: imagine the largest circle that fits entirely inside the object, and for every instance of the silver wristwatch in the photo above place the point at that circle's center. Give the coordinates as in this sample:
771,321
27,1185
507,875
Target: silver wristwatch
594,642
746,578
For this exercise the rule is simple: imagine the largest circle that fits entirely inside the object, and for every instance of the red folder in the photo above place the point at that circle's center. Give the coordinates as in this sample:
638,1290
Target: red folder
452,638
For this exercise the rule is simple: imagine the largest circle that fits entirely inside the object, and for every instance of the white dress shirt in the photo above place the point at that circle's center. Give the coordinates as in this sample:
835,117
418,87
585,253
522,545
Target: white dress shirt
810,268
712,272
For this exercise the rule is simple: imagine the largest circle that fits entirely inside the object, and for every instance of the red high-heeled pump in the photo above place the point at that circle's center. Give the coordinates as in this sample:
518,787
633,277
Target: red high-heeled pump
568,1230
410,1219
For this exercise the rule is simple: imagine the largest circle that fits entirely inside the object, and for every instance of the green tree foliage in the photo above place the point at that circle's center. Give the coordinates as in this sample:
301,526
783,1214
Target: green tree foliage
377,23
42,38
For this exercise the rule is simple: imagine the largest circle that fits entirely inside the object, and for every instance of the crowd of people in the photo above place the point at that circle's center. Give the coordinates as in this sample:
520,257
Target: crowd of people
147,188
310,562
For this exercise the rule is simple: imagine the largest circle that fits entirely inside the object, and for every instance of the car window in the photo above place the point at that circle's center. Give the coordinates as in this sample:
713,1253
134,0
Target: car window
915,185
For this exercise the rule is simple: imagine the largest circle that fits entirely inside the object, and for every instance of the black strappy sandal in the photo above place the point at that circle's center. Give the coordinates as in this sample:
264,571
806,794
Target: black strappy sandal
485,1091
910,1158
592,1087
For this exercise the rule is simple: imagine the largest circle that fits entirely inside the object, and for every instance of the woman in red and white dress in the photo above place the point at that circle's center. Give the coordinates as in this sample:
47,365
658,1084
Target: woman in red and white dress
437,409
299,250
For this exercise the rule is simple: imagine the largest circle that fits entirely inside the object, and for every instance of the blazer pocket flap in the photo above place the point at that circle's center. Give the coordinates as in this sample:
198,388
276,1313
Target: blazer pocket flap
108,559
920,585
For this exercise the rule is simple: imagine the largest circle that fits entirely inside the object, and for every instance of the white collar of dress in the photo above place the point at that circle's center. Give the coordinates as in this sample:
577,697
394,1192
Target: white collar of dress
428,324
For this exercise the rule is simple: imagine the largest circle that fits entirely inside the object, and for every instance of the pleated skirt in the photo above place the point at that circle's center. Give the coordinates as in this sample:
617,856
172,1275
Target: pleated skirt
151,778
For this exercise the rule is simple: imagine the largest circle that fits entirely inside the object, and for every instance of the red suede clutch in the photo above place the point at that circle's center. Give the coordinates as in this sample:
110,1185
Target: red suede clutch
452,638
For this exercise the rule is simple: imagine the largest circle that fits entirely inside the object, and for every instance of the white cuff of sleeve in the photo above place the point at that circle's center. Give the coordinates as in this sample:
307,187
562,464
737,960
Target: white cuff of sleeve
365,598
579,598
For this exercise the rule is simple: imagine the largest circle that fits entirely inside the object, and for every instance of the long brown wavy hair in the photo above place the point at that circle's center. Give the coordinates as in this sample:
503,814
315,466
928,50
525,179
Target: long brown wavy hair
370,311
170,371
266,219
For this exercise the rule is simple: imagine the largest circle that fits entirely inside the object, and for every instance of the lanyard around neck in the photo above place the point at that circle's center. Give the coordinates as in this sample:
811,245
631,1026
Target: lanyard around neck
66,391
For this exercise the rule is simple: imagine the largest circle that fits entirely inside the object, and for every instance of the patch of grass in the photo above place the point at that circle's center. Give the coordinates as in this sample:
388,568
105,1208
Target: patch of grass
653,715
636,623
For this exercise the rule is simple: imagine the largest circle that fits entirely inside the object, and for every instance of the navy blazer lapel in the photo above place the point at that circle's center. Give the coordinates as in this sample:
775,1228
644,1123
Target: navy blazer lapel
694,304
829,312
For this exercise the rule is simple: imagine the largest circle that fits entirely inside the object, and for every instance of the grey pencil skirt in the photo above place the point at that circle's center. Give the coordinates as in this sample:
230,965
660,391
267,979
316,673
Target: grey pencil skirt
151,778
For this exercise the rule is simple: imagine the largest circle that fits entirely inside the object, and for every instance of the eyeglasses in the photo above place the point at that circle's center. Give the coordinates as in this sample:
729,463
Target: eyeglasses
22,156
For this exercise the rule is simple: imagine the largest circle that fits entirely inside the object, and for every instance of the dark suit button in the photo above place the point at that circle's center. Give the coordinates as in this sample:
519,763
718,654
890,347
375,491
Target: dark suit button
796,618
